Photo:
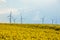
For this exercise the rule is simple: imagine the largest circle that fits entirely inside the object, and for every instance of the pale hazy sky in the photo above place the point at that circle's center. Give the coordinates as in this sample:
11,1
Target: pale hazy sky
32,10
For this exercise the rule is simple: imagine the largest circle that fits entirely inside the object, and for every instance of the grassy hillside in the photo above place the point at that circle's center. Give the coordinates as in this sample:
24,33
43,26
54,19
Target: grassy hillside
29,32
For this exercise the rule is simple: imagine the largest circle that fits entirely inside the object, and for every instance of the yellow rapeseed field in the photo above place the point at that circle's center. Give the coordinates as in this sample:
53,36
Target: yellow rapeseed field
29,32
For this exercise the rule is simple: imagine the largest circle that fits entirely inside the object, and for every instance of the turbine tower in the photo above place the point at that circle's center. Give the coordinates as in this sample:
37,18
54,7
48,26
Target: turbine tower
10,17
56,21
52,21
14,20
43,20
21,18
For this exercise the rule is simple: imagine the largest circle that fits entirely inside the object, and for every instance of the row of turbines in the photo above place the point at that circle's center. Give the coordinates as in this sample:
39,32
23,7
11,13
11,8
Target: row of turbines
21,18
10,18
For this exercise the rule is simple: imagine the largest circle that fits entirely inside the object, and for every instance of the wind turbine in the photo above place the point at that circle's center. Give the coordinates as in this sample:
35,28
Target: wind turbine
14,20
43,18
52,21
10,17
21,18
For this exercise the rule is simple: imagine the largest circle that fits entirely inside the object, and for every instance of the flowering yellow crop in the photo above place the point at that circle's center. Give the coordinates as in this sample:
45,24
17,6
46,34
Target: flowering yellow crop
29,32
